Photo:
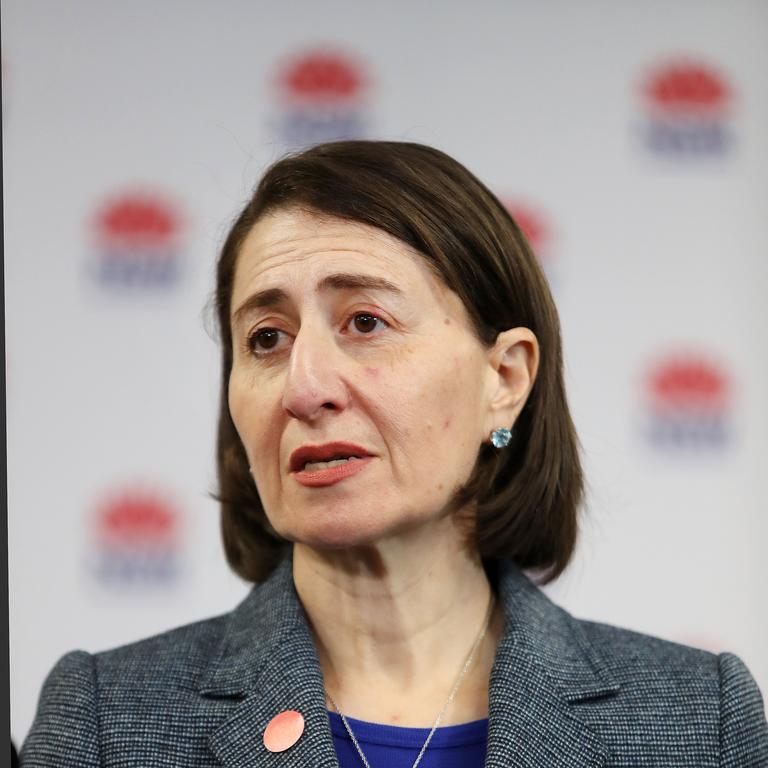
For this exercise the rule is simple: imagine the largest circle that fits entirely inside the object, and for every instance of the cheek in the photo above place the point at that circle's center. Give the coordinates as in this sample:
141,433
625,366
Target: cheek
438,411
235,401
250,412
240,394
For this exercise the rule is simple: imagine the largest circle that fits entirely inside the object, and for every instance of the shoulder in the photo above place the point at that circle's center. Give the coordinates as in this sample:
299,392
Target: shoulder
175,657
629,654
643,664
640,692
686,685
89,698
62,733
163,695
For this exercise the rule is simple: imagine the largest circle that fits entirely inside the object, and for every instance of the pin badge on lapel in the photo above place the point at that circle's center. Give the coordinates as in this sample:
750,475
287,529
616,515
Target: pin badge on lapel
283,730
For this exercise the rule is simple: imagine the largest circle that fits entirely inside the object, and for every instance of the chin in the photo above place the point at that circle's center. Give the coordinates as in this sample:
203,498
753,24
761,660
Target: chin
338,535
340,531
346,524
337,526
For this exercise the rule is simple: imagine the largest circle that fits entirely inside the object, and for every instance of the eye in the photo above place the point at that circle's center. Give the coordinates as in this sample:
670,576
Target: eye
365,322
263,340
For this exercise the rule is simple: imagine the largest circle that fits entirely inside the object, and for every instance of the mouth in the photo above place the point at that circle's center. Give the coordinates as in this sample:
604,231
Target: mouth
315,466
316,458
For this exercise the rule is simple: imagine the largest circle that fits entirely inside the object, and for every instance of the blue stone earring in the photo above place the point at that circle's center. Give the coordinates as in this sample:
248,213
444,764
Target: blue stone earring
501,437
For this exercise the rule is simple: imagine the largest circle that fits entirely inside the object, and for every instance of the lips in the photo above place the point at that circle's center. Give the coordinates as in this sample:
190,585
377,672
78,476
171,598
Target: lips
319,466
309,454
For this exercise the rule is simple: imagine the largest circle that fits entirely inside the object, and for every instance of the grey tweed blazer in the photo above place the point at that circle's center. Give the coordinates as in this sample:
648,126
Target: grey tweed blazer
564,693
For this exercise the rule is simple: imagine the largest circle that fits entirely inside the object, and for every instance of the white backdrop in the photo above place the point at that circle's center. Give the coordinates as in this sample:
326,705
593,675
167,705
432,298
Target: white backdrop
631,139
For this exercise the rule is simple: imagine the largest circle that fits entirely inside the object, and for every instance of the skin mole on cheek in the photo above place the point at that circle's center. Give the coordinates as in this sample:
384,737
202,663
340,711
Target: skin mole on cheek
373,372
447,321
447,423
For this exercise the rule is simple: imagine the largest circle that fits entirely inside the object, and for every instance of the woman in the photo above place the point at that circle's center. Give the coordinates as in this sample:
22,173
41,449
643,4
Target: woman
394,447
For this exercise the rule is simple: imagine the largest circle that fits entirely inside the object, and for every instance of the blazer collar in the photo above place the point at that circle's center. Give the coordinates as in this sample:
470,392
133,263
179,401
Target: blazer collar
267,657
543,665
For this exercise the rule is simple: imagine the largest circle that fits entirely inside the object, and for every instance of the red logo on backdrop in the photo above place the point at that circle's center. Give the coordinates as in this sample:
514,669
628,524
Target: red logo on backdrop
689,402
321,77
137,241
321,96
687,102
687,88
136,538
537,231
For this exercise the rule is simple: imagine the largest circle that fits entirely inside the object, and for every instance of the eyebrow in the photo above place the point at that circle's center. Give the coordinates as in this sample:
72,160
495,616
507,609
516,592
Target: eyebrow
339,281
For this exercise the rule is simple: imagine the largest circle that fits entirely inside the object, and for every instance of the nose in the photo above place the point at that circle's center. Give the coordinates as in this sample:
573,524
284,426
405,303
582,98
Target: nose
314,383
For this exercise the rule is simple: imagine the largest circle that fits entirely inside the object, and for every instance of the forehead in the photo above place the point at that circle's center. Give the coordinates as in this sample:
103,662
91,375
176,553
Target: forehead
298,246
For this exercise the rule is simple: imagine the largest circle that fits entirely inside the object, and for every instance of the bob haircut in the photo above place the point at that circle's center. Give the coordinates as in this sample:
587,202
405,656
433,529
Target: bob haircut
526,496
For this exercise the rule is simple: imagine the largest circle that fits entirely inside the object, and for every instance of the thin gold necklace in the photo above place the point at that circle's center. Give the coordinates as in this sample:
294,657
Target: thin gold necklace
467,664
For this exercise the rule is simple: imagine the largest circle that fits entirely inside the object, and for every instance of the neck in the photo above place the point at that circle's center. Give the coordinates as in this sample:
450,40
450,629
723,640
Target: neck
393,624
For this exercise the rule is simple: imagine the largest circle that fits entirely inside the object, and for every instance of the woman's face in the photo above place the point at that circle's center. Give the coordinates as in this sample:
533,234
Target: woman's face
346,344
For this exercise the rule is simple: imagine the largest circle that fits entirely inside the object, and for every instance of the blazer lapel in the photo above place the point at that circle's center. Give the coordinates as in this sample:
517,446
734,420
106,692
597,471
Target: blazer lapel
268,659
543,665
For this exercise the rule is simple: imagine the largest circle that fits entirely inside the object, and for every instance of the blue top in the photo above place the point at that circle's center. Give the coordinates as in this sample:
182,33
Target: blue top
454,746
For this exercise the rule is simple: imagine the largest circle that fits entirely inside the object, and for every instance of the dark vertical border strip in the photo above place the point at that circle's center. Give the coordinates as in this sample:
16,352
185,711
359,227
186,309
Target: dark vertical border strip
5,679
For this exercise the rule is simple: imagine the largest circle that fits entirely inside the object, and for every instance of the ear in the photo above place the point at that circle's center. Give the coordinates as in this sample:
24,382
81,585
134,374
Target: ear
513,362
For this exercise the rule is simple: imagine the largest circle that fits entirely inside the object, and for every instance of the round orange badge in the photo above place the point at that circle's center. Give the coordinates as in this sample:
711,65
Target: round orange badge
283,730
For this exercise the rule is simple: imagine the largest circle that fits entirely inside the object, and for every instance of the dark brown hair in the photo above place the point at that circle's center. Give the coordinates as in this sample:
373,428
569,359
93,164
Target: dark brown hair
526,496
